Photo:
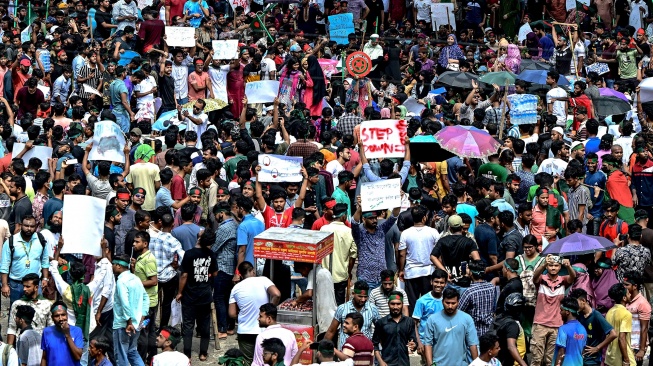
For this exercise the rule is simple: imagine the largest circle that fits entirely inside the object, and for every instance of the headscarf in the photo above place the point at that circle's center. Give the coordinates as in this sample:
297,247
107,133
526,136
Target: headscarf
601,286
532,44
144,152
403,110
450,52
583,281
81,299
314,70
513,60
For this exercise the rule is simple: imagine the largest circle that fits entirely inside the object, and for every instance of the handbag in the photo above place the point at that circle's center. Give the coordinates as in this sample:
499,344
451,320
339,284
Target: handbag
450,66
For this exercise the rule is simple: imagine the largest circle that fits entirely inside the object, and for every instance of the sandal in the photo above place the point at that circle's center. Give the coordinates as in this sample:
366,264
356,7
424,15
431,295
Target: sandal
222,335
203,358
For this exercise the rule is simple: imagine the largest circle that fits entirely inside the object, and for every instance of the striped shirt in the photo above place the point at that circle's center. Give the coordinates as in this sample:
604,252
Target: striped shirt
93,82
360,349
641,309
370,315
380,300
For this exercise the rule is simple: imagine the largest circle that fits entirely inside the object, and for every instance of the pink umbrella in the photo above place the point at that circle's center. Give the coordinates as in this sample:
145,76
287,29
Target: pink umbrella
607,92
467,143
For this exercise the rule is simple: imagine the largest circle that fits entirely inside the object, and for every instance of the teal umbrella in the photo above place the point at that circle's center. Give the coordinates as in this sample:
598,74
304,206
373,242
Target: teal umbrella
500,78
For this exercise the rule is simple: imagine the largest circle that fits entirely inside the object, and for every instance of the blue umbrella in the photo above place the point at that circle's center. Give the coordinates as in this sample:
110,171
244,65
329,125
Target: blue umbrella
579,244
539,77
126,57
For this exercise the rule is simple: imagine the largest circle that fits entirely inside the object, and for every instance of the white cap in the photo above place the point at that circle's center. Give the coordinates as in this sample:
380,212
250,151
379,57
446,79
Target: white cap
559,130
374,35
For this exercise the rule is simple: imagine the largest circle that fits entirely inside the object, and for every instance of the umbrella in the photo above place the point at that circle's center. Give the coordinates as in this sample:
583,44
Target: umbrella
607,106
210,105
527,64
646,90
579,244
539,77
500,78
126,57
427,148
467,143
457,79
607,92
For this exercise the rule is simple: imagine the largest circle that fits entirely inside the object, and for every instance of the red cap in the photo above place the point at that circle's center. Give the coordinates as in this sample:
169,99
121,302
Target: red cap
25,62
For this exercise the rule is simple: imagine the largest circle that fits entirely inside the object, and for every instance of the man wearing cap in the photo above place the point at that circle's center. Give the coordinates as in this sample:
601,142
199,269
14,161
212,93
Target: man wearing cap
450,251
20,73
62,343
374,50
119,96
577,151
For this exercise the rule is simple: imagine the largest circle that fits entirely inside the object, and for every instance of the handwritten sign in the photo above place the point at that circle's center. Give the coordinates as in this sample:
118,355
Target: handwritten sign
261,91
236,3
180,36
41,152
523,32
225,50
381,195
108,142
412,106
280,168
90,89
442,14
83,224
384,138
340,26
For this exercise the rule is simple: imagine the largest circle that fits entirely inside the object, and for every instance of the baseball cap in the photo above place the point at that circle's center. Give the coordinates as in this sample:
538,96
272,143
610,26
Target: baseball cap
455,221
136,131
25,62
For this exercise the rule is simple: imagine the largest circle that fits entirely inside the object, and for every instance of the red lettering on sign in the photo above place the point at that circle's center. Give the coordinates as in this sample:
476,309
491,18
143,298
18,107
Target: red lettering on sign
375,133
402,127
385,148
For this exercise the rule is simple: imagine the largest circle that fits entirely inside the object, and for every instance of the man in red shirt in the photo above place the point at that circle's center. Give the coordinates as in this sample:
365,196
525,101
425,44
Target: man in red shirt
151,31
357,347
178,186
277,215
612,227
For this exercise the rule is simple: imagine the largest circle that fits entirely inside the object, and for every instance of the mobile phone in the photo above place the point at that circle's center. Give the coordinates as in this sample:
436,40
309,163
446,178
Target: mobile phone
71,161
623,237
463,268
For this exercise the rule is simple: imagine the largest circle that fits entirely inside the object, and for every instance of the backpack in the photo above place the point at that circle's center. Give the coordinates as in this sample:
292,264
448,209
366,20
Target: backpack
11,246
526,277
604,224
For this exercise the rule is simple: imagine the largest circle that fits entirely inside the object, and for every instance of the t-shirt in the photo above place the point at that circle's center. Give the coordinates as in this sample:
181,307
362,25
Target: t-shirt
200,80
187,235
549,296
558,106
200,264
469,210
640,308
360,349
249,294
170,358
572,337
100,188
22,208
597,329
145,175
116,89
145,268
423,8
277,219
29,347
418,243
54,341
622,322
494,172
178,188
627,63
198,129
454,249
508,328
426,306
479,362
450,337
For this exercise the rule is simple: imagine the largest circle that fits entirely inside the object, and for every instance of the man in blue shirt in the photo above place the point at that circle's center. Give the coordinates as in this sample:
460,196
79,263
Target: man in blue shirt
599,332
61,343
594,177
450,334
249,227
572,336
429,304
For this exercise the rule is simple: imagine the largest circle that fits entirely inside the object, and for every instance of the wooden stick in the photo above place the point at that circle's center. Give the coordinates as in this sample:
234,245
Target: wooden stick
589,186
567,24
214,321
503,111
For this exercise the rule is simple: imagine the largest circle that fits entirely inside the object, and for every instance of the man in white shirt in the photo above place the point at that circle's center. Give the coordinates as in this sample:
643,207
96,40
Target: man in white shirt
180,75
336,166
144,91
198,121
268,66
557,164
556,99
268,319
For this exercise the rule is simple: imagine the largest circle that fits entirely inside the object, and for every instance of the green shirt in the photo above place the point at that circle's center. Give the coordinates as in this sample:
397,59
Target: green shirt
230,166
146,267
494,171
627,64
342,197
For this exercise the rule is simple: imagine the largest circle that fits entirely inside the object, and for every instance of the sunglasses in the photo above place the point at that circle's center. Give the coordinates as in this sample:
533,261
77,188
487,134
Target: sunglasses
138,195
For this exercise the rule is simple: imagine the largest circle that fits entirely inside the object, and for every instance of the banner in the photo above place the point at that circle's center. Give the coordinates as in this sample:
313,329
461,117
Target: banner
180,36
384,138
41,152
264,91
381,195
523,32
83,224
340,26
225,50
108,143
442,14
236,3
279,168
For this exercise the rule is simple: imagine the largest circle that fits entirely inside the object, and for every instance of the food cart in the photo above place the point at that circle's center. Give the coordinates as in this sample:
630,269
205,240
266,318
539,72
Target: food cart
297,245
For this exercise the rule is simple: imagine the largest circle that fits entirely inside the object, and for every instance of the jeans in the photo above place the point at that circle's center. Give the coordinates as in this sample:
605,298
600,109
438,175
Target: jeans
122,119
182,101
167,293
125,347
192,314
15,291
222,286
147,339
302,283
84,359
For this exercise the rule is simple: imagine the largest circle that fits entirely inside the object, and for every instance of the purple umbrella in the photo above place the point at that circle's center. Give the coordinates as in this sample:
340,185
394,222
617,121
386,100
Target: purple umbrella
467,143
607,92
578,244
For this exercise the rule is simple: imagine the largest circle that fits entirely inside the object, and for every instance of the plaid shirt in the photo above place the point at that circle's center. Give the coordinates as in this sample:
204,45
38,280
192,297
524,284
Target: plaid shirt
302,148
479,302
164,246
225,246
347,122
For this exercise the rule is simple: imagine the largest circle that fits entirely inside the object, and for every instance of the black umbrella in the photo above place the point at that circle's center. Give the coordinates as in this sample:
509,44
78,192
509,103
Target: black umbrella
457,79
426,148
527,64
607,106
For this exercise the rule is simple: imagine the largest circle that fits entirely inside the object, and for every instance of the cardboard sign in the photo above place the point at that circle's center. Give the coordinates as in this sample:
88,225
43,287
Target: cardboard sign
225,50
340,26
41,152
236,3
384,138
108,142
83,224
358,64
523,32
180,36
412,106
442,14
264,91
381,195
280,168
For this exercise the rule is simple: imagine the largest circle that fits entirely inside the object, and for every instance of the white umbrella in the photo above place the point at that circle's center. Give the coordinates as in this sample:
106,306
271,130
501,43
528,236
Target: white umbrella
646,90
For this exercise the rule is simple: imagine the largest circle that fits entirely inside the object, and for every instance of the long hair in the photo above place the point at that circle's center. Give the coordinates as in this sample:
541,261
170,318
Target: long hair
317,75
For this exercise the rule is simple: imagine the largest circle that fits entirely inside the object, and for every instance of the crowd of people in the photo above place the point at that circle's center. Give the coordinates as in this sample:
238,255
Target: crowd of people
455,275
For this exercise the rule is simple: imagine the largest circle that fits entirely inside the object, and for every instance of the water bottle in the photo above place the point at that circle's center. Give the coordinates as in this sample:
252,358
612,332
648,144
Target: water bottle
143,324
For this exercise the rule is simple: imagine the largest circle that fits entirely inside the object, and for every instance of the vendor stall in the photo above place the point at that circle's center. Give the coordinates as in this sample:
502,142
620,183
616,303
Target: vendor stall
297,245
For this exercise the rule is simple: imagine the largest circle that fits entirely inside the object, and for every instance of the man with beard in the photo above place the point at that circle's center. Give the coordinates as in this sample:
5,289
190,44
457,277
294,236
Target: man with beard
267,320
626,58
562,53
55,203
394,333
275,215
523,220
112,218
379,295
642,180
126,222
577,151
28,98
556,166
166,89
61,87
336,166
225,249
90,74
31,298
510,193
62,343
546,221
52,234
618,189
451,250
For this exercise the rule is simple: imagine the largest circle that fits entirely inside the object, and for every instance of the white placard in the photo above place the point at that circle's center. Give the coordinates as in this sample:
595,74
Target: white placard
90,89
83,224
45,90
236,3
180,36
646,90
280,168
108,142
41,152
225,50
263,91
384,138
413,106
523,32
143,3
442,14
381,195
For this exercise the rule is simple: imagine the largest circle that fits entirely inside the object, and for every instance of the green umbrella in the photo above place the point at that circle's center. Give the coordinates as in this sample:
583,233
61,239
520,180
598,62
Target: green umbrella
500,78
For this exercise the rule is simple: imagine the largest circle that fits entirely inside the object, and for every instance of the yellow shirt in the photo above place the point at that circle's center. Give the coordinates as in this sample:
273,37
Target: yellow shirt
344,248
146,267
622,321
